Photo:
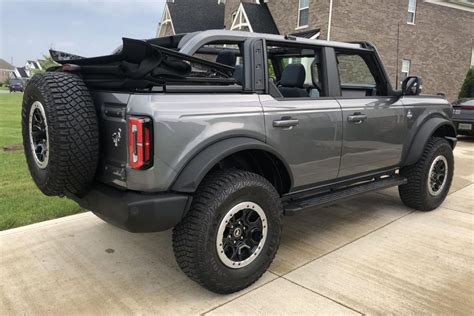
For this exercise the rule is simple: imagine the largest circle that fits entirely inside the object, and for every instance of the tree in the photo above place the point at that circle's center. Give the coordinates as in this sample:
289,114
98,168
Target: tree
467,89
46,62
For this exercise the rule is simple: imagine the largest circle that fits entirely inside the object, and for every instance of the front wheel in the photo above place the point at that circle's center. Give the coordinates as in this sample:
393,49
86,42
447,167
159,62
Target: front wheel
429,179
231,234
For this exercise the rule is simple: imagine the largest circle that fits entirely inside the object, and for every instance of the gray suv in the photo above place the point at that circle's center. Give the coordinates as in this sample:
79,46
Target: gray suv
218,134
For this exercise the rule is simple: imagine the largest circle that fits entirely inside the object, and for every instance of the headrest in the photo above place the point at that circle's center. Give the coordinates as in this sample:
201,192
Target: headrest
239,74
227,58
294,75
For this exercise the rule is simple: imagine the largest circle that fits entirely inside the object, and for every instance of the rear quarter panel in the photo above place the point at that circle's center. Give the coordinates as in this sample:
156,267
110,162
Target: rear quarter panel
185,124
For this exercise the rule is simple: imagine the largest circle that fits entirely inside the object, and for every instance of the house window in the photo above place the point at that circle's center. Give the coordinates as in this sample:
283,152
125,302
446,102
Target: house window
411,11
405,69
303,13
241,21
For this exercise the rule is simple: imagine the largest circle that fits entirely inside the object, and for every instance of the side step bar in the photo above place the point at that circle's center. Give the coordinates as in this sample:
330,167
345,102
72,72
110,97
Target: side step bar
292,207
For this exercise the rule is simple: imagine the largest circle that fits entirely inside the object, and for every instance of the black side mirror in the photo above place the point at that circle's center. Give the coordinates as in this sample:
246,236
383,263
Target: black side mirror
412,85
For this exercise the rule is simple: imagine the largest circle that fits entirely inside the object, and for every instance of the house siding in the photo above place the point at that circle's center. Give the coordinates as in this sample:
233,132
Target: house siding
438,45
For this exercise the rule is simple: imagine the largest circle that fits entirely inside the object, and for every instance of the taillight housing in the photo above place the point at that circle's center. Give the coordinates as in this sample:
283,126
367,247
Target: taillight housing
140,142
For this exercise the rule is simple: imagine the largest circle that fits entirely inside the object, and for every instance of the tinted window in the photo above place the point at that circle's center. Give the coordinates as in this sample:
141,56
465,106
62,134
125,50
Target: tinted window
354,70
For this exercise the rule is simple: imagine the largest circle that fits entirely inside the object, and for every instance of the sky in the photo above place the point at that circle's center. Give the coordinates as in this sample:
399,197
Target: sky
29,28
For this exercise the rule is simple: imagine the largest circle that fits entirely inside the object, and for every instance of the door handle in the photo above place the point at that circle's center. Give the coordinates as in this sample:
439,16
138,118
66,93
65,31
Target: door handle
357,118
285,122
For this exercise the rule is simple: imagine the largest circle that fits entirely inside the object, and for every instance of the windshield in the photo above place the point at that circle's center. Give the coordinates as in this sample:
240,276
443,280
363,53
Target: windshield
15,81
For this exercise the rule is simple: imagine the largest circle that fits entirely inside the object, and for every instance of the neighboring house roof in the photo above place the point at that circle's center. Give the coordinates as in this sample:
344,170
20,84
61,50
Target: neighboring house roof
33,63
6,65
260,18
196,15
311,34
22,72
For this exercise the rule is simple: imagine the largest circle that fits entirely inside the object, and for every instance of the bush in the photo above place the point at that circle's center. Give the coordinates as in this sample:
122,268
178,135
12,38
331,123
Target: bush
467,89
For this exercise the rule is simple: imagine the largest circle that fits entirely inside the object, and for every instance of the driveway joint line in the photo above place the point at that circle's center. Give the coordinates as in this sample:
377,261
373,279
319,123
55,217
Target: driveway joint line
451,209
239,296
326,297
346,244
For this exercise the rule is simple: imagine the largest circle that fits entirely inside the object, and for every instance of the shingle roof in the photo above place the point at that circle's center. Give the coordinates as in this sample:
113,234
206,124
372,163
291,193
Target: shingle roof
196,15
307,34
260,18
33,63
6,65
22,72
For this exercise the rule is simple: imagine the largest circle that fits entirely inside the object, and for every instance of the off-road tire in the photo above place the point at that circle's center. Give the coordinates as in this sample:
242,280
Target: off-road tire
194,238
415,194
73,133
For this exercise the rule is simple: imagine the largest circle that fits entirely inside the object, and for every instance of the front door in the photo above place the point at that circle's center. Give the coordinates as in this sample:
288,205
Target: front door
374,126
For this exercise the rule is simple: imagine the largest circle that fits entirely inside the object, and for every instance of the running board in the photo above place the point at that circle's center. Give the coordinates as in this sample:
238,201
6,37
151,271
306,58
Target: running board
295,206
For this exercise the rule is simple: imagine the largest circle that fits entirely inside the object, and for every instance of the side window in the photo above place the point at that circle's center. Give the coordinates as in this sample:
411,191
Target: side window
353,70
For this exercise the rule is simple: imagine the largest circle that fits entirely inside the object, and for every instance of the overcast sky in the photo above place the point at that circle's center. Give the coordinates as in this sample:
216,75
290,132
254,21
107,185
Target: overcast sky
28,28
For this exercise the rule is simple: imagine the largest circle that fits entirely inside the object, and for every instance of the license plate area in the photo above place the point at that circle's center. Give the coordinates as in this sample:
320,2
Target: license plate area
465,126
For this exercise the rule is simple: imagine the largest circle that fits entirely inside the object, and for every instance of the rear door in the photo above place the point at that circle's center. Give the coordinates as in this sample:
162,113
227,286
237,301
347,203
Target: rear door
374,124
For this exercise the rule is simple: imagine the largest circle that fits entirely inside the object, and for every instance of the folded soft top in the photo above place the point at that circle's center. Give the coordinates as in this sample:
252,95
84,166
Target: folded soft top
140,65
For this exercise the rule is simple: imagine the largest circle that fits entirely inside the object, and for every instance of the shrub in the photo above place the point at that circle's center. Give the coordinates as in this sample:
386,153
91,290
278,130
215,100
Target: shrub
467,89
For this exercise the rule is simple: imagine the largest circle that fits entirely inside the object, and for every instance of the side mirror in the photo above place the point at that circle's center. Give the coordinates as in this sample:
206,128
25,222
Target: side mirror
412,85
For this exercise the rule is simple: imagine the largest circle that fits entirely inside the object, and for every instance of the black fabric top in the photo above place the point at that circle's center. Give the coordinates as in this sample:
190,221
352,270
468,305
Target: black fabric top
260,18
141,65
196,15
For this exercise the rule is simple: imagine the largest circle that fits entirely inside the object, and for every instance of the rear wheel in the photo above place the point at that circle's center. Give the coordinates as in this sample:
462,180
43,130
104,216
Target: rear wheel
231,233
429,180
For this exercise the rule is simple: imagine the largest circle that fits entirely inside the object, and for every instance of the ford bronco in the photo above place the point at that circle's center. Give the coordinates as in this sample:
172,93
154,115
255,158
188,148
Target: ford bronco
218,134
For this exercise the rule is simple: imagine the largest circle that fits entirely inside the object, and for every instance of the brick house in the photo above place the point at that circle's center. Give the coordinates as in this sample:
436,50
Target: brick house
6,70
429,38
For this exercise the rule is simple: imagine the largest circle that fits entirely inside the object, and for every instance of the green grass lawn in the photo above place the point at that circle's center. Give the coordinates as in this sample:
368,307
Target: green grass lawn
21,203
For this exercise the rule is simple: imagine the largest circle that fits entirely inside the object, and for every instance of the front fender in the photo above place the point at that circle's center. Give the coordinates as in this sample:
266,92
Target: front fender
192,174
414,146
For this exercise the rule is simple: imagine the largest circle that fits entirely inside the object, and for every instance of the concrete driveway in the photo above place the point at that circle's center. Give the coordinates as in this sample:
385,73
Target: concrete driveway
368,255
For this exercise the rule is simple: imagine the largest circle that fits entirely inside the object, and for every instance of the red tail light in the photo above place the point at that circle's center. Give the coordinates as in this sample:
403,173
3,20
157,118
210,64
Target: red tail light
140,146
467,107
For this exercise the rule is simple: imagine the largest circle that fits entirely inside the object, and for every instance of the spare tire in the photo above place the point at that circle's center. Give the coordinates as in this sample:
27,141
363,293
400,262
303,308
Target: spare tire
60,133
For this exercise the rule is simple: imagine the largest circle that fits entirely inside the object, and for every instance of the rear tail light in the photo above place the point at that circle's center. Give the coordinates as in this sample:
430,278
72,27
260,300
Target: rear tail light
467,107
140,146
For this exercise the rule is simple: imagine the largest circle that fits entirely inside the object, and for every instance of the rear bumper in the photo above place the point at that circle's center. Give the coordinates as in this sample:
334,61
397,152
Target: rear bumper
458,121
133,211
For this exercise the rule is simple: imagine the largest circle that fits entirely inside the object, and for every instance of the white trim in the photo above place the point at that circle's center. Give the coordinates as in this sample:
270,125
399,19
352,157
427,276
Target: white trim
165,20
453,4
302,27
298,26
329,20
315,36
241,20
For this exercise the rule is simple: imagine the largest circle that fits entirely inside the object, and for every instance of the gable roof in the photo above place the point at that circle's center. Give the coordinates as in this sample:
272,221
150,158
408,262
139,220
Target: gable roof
33,63
6,65
22,72
260,18
196,15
